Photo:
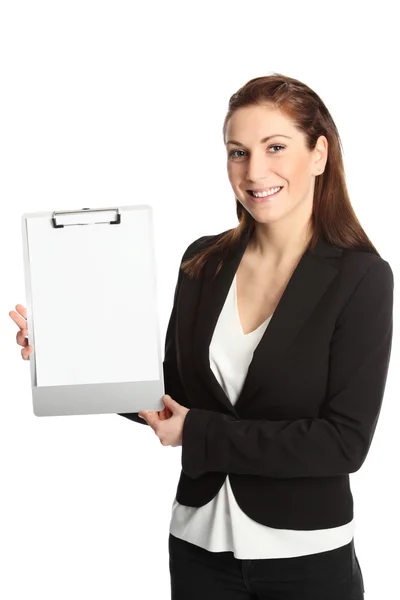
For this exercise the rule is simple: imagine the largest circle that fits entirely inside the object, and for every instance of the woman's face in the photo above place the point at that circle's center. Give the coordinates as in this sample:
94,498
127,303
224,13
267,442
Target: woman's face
283,160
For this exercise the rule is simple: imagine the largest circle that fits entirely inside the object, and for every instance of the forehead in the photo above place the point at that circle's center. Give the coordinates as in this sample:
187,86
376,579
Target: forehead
262,119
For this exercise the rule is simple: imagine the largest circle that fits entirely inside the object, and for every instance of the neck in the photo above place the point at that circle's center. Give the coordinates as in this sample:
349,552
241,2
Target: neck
278,250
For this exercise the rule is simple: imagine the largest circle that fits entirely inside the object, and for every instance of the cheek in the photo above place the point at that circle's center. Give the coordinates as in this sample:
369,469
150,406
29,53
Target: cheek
298,173
233,172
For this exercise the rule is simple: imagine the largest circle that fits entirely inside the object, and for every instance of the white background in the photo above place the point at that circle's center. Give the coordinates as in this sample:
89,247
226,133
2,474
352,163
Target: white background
105,103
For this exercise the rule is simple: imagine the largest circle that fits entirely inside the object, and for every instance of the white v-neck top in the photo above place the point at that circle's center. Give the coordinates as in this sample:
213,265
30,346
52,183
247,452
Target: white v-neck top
221,525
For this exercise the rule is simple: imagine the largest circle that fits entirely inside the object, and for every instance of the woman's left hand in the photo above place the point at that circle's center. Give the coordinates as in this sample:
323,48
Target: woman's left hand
169,430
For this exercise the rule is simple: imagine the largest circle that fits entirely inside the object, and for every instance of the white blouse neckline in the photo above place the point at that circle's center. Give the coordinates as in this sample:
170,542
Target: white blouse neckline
237,313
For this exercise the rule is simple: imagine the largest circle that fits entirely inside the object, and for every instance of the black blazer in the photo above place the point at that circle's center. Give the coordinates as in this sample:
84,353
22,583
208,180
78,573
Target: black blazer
308,410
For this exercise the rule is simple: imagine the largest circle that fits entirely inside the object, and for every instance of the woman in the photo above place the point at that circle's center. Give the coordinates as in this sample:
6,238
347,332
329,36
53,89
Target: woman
276,358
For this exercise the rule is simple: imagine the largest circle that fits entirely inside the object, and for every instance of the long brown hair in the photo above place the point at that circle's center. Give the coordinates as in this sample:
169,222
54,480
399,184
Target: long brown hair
333,218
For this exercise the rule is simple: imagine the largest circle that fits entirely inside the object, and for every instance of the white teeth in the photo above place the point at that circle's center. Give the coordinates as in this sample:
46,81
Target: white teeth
268,193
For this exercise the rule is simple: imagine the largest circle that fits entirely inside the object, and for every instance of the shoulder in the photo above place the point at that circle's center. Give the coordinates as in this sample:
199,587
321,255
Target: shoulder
364,279
359,265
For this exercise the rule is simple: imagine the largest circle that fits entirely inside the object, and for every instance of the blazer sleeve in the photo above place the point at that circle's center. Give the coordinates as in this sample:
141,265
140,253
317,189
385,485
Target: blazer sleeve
333,444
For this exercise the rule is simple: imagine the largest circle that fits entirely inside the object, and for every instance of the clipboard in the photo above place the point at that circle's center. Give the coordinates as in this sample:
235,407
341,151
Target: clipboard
91,296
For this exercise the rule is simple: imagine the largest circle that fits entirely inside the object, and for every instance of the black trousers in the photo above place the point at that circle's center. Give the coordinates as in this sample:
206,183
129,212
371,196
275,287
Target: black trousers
198,574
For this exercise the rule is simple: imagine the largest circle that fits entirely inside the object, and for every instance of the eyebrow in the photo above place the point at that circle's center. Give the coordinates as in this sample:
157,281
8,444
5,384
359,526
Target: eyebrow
261,141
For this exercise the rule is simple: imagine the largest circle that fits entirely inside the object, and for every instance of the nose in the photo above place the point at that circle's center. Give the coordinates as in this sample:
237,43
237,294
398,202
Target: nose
257,167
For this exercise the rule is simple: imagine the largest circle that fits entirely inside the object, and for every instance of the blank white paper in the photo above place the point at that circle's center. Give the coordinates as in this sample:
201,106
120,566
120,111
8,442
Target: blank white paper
94,304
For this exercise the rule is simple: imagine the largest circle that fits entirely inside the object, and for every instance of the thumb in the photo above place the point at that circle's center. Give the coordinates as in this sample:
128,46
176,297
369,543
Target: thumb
170,402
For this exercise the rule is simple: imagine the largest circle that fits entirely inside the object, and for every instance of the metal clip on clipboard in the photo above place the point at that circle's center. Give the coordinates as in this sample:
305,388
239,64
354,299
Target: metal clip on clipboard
64,218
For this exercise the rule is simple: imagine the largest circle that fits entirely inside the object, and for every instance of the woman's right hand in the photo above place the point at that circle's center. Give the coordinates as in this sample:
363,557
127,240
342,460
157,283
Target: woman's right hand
19,318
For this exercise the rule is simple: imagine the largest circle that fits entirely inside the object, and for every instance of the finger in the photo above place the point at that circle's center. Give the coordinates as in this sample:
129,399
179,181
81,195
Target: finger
21,309
21,339
165,414
153,420
147,414
19,317
25,352
153,414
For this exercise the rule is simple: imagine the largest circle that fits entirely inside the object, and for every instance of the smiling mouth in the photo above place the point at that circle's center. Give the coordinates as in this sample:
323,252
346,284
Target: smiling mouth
263,198
268,189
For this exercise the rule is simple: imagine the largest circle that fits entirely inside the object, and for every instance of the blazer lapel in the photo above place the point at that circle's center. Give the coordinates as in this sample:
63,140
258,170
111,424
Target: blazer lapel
307,285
